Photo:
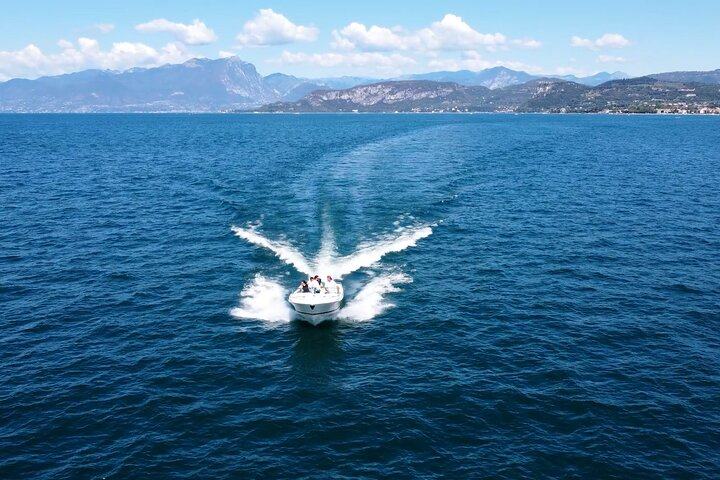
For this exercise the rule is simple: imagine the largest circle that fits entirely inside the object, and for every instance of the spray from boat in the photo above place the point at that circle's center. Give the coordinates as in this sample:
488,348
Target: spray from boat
285,252
264,298
371,300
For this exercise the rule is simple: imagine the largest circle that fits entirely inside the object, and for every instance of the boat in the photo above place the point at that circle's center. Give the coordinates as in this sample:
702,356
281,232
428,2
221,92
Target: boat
315,308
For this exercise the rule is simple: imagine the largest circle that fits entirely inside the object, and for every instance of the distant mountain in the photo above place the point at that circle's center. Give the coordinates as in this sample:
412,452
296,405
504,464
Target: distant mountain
711,77
596,79
501,77
643,94
198,85
290,88
230,84
496,77
339,83
405,95
531,96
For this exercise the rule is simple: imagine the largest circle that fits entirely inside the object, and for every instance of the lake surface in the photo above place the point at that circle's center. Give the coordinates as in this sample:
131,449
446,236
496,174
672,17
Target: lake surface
529,296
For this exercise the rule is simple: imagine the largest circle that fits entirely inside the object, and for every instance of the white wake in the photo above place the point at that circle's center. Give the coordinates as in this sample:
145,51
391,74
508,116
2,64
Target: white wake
265,299
370,301
285,252
328,262
370,253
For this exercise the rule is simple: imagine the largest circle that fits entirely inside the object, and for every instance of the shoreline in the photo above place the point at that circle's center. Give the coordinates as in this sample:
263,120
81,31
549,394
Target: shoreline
252,112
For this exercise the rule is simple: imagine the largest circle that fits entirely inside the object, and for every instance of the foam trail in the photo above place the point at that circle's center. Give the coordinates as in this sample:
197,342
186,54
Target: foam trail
328,251
263,299
370,301
371,253
266,299
285,252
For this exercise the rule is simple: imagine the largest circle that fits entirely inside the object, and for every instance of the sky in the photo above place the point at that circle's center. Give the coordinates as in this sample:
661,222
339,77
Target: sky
368,38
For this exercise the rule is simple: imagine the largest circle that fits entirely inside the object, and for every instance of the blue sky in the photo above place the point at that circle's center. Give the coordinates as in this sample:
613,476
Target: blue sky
367,38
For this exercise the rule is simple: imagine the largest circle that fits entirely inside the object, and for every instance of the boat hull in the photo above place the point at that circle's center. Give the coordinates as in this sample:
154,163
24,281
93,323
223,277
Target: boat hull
316,308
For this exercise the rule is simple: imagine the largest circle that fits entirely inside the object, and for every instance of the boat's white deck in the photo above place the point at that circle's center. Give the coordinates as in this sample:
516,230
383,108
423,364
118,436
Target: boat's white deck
315,298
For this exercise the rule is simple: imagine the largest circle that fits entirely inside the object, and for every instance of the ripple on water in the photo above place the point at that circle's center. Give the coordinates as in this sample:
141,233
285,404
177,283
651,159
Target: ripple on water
528,296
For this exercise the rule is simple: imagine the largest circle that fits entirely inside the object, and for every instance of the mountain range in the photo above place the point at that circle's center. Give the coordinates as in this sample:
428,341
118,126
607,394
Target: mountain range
712,76
198,85
501,77
231,84
641,95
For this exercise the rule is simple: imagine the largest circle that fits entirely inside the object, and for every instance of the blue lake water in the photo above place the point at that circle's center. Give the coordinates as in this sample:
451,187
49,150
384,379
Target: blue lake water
528,296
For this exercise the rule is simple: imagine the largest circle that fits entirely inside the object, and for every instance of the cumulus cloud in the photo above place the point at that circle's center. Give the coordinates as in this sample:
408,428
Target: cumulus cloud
196,33
474,60
611,40
563,71
375,61
576,41
610,59
450,33
31,62
527,43
104,27
271,28
373,38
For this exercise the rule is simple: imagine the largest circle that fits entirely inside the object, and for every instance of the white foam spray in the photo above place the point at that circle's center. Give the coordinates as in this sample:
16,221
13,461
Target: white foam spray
285,252
371,253
370,301
263,299
324,263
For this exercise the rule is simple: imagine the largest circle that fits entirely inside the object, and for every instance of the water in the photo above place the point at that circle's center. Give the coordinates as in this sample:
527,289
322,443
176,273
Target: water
527,296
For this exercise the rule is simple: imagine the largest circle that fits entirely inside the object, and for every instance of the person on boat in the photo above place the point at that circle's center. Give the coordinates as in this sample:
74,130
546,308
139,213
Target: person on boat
303,287
331,286
314,285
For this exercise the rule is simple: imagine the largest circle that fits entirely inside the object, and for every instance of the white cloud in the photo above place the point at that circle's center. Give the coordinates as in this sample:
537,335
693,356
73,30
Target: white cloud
271,28
373,38
569,71
196,33
341,43
614,40
610,59
225,54
31,62
471,60
64,44
450,33
104,27
367,61
576,41
474,60
527,43
611,40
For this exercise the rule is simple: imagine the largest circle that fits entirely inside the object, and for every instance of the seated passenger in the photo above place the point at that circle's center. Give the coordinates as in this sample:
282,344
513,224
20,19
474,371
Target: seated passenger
331,286
314,285
303,287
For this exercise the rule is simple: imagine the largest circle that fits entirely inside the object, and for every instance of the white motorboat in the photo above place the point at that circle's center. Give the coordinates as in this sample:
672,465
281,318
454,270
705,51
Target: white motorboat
317,307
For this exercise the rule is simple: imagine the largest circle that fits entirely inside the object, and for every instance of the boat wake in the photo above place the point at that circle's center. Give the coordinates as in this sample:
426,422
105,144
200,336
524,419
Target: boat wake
370,301
285,252
264,298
